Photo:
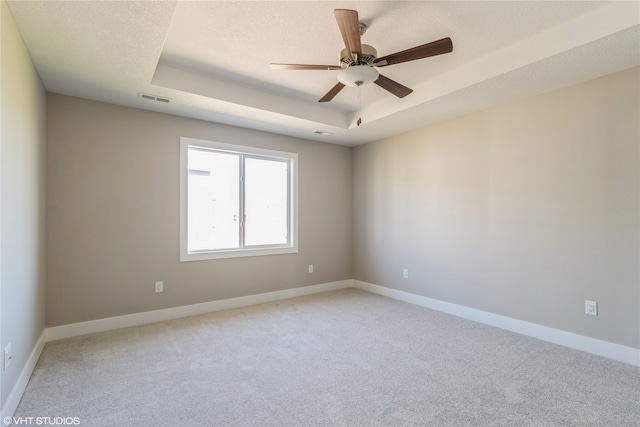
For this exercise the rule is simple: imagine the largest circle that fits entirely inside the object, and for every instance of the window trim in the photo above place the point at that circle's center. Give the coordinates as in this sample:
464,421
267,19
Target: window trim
292,247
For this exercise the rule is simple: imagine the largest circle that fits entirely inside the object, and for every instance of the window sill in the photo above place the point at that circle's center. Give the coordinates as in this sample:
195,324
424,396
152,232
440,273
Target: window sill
240,253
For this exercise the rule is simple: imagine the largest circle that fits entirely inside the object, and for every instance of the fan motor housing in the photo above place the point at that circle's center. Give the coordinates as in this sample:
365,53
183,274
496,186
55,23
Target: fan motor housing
369,54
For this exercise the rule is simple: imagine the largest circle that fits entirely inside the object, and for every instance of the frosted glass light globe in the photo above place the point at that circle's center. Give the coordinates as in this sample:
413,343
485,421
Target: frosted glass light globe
358,75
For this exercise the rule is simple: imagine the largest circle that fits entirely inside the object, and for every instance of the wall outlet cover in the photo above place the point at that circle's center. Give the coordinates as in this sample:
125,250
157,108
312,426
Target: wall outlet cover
591,307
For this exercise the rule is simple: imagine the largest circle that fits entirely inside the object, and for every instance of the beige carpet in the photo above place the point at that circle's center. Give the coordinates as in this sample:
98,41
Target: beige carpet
343,358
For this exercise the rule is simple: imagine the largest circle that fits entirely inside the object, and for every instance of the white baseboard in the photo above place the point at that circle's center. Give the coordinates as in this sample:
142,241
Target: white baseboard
579,342
567,339
23,379
111,323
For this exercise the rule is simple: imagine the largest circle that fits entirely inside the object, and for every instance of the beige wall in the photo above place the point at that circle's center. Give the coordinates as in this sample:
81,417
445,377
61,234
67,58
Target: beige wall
22,162
525,210
113,214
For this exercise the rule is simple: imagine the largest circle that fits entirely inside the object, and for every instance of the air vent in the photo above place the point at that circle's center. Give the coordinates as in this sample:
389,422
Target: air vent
154,97
319,132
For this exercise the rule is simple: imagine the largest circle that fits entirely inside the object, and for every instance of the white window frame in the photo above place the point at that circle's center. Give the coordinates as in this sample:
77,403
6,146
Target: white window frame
291,247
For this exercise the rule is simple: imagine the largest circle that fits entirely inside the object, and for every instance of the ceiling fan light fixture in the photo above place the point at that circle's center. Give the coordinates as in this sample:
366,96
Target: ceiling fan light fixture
358,60
358,75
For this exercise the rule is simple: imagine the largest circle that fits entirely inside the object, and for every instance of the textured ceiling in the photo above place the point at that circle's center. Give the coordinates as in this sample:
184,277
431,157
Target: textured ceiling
211,57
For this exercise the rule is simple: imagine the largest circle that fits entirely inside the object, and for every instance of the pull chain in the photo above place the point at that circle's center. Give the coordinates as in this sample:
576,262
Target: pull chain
359,122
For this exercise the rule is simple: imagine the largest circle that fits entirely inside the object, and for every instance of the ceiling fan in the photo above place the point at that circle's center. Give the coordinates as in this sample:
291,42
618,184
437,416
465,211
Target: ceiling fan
358,62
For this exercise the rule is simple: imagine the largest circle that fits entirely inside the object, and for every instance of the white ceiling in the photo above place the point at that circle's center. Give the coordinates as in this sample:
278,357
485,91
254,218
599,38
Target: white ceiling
211,57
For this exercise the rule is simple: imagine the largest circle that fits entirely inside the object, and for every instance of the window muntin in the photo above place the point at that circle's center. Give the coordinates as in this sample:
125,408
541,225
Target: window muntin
236,201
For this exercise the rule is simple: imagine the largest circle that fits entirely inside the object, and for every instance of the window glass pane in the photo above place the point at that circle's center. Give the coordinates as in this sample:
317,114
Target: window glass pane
213,200
266,202
236,201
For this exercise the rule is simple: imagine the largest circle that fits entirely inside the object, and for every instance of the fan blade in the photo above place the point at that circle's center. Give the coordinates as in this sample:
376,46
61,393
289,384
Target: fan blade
274,66
437,47
333,92
350,29
392,86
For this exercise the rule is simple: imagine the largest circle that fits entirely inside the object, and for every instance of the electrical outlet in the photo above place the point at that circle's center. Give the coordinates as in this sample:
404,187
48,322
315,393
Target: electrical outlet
405,273
591,307
159,286
7,356
310,268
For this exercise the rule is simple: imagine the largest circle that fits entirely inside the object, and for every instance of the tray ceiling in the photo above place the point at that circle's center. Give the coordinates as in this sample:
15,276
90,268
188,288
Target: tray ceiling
210,58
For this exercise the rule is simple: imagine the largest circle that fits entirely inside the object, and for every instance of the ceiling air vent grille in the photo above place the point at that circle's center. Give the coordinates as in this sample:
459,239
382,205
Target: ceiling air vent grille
149,97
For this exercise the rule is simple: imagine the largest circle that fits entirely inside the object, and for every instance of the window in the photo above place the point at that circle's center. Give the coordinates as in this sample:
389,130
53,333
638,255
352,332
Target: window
236,201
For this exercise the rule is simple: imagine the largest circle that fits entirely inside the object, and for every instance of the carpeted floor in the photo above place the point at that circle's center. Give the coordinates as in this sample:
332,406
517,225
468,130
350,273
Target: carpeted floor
343,358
